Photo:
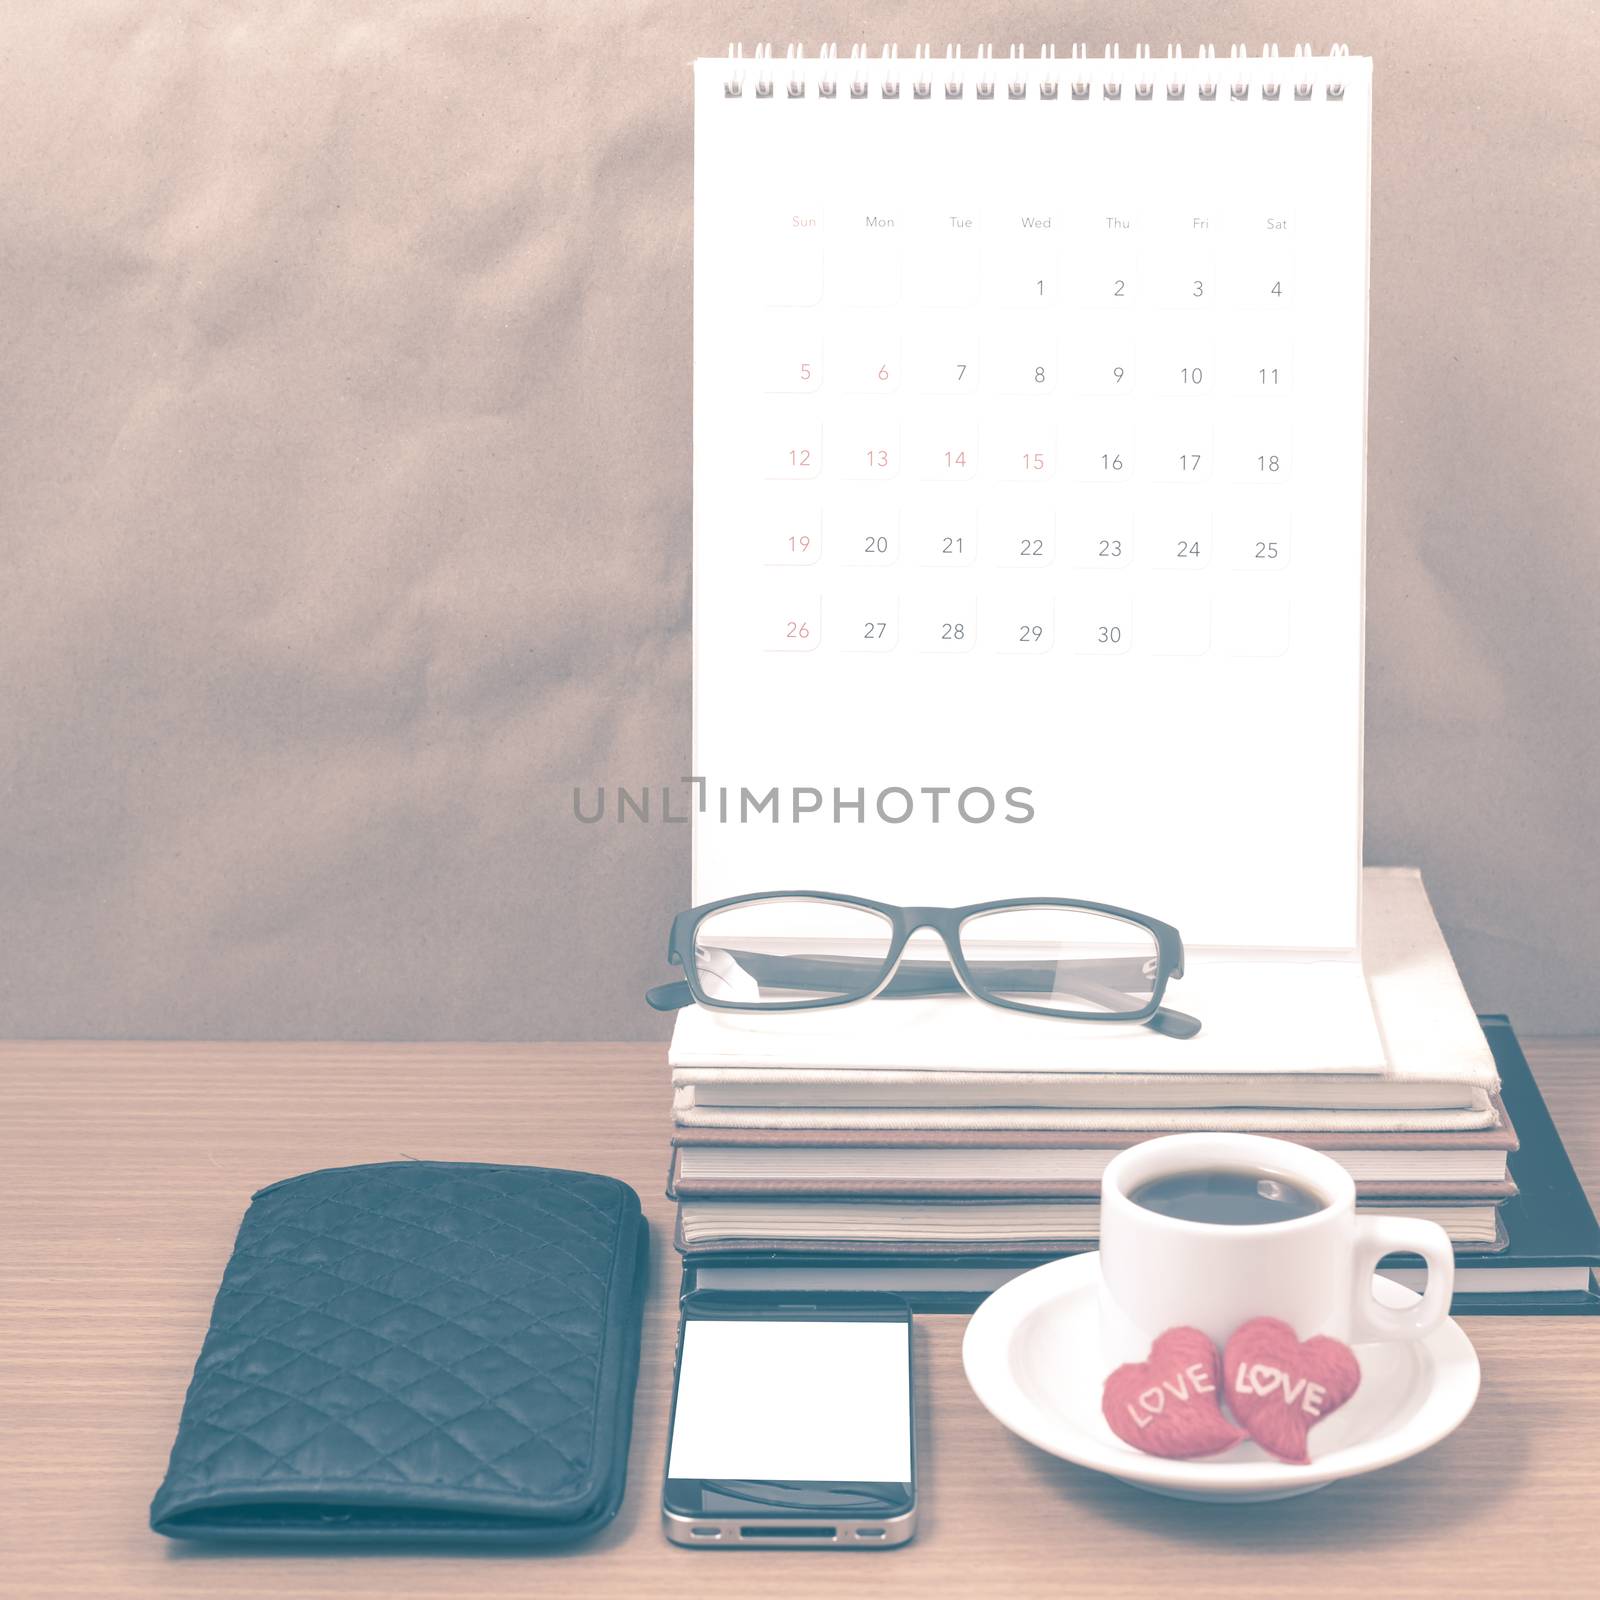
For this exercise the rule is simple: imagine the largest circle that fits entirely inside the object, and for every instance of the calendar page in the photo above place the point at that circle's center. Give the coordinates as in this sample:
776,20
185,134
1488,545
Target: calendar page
1030,409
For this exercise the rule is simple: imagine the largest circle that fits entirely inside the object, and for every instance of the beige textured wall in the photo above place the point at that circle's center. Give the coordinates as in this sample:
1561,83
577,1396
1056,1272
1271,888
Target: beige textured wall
344,495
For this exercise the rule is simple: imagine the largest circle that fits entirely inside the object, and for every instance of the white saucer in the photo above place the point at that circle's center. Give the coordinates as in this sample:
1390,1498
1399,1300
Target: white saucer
1032,1354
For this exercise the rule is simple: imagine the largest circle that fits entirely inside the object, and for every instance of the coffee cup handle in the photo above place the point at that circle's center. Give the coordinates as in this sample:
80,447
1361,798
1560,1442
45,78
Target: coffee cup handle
1377,1237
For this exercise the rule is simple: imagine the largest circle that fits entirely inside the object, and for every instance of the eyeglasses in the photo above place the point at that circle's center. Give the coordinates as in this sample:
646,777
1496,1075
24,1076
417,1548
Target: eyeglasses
798,950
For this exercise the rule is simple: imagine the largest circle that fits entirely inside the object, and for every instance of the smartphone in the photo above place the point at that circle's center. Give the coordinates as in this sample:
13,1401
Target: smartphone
792,1422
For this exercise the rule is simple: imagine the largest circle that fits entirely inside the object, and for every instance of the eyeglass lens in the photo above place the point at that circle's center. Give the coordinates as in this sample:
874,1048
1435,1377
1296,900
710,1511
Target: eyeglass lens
785,949
781,950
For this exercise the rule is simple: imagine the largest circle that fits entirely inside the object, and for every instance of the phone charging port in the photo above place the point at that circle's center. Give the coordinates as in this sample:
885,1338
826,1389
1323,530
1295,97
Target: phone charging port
797,1532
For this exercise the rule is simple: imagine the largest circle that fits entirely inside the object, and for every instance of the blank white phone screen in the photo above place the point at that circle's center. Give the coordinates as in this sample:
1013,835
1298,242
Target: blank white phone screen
807,1401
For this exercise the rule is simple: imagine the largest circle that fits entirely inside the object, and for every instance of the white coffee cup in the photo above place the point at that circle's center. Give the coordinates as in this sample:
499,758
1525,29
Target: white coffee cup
1313,1272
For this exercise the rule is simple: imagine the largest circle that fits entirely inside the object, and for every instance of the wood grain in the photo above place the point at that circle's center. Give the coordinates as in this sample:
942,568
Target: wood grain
123,1173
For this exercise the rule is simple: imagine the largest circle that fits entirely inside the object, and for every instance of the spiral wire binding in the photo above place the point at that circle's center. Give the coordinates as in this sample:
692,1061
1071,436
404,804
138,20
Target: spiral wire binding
1143,88
1336,90
1268,78
952,83
983,88
890,87
858,76
1241,86
827,83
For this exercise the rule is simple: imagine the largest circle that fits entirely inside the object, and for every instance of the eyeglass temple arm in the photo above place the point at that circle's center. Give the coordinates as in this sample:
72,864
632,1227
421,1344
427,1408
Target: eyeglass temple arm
1174,1024
669,996
934,977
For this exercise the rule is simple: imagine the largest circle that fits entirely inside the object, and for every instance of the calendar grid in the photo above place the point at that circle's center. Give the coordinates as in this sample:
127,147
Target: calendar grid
1054,407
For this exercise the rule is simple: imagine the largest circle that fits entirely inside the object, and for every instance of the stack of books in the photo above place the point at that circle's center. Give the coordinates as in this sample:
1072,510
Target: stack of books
937,1147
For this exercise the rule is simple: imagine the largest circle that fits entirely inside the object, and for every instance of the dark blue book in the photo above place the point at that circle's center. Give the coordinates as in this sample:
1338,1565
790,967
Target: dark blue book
1552,1239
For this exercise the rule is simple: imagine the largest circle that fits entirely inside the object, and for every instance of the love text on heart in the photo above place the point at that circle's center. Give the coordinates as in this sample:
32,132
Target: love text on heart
1190,1381
1257,1377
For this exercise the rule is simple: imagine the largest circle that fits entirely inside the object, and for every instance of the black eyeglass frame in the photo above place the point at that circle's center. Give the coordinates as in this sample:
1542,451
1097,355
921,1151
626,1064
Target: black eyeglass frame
947,922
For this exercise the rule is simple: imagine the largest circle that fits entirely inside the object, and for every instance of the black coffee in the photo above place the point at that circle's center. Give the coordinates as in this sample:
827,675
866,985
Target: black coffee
1240,1199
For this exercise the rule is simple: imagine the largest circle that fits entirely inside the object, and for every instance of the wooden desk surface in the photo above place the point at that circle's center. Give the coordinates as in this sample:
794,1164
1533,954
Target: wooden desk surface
124,1170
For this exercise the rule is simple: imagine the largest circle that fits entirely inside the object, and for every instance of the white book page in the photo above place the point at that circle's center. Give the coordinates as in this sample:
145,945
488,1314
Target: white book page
1029,455
1259,1017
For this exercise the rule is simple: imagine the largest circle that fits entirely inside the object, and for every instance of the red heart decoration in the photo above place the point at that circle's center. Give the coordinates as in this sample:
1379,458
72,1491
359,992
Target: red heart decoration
1170,1404
1280,1389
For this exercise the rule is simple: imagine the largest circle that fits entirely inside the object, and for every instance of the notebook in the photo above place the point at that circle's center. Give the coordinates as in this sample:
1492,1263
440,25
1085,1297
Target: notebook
1487,1283
1029,477
710,1161
755,1222
958,1063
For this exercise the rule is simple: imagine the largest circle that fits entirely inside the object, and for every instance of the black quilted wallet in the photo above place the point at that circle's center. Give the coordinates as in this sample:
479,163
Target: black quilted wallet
417,1351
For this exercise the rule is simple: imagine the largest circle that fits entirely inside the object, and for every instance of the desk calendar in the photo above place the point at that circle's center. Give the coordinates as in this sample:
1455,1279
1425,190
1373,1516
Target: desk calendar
1030,408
